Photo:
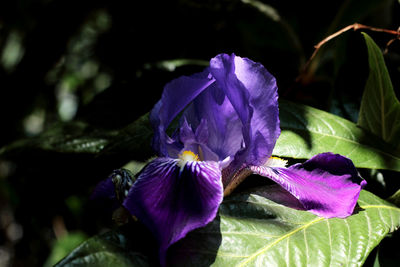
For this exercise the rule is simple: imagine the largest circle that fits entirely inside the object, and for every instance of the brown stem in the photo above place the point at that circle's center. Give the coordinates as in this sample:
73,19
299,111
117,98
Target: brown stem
355,26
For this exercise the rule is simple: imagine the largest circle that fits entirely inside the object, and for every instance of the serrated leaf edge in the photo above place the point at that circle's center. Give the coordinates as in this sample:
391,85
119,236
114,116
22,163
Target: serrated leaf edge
313,222
260,251
353,141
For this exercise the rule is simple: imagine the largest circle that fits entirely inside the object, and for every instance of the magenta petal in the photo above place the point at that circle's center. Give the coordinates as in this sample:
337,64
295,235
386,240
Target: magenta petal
172,201
327,185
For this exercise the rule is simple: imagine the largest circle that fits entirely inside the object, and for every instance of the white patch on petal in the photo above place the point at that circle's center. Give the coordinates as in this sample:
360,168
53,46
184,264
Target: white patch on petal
276,162
185,157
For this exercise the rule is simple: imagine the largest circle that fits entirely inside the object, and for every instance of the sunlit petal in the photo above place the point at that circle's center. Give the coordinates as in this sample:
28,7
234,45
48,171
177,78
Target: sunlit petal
327,185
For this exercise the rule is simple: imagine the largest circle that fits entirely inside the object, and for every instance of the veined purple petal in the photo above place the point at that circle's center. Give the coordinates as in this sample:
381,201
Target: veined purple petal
172,200
176,96
231,109
212,114
327,185
252,91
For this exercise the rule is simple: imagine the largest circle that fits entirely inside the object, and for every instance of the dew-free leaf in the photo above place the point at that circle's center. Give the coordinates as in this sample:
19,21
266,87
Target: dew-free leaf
252,230
307,131
255,231
380,108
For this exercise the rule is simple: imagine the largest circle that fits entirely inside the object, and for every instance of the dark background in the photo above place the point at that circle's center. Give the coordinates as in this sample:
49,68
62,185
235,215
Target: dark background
93,67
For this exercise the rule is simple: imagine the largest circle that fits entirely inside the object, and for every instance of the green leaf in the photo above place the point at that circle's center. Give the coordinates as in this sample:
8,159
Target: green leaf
380,109
307,131
395,198
70,137
113,248
77,137
171,65
63,246
132,142
255,231
252,230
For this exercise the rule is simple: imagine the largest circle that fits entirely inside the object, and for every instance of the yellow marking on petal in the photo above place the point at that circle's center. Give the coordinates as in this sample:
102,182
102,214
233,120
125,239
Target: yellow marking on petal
275,162
186,156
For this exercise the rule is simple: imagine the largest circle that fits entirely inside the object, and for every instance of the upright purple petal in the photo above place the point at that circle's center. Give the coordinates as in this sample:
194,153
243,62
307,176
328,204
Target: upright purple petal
252,91
171,199
327,185
176,96
196,141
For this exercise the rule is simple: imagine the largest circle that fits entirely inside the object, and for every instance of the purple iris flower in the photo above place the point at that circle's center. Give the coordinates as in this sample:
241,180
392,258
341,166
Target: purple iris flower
228,124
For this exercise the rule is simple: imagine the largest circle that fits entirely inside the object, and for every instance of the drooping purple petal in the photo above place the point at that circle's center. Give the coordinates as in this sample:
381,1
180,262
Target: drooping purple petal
114,189
104,197
327,185
279,195
172,200
104,190
252,91
115,186
176,96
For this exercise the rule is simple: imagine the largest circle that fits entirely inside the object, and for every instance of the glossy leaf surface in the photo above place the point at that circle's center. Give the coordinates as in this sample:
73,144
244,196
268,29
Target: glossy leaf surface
252,230
307,131
380,108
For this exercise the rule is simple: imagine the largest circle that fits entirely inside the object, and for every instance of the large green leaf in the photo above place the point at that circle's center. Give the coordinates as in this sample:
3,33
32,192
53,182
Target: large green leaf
77,137
63,246
114,248
70,137
256,231
252,230
307,131
380,109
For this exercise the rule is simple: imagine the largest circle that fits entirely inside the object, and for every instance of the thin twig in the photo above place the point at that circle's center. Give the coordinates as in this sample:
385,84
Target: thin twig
355,26
391,41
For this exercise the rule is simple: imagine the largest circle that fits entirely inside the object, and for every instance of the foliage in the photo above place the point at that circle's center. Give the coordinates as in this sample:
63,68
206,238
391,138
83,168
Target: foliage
253,230
380,109
78,80
307,131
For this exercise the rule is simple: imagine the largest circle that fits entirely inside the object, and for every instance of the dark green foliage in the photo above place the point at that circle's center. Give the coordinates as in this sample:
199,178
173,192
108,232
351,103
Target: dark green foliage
78,79
253,230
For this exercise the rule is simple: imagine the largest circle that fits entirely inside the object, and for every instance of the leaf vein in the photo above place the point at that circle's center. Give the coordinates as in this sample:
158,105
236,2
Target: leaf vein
283,237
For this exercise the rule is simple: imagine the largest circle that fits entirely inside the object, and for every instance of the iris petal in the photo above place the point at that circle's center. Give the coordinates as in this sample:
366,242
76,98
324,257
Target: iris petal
176,96
252,91
327,185
172,200
104,190
105,196
212,114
